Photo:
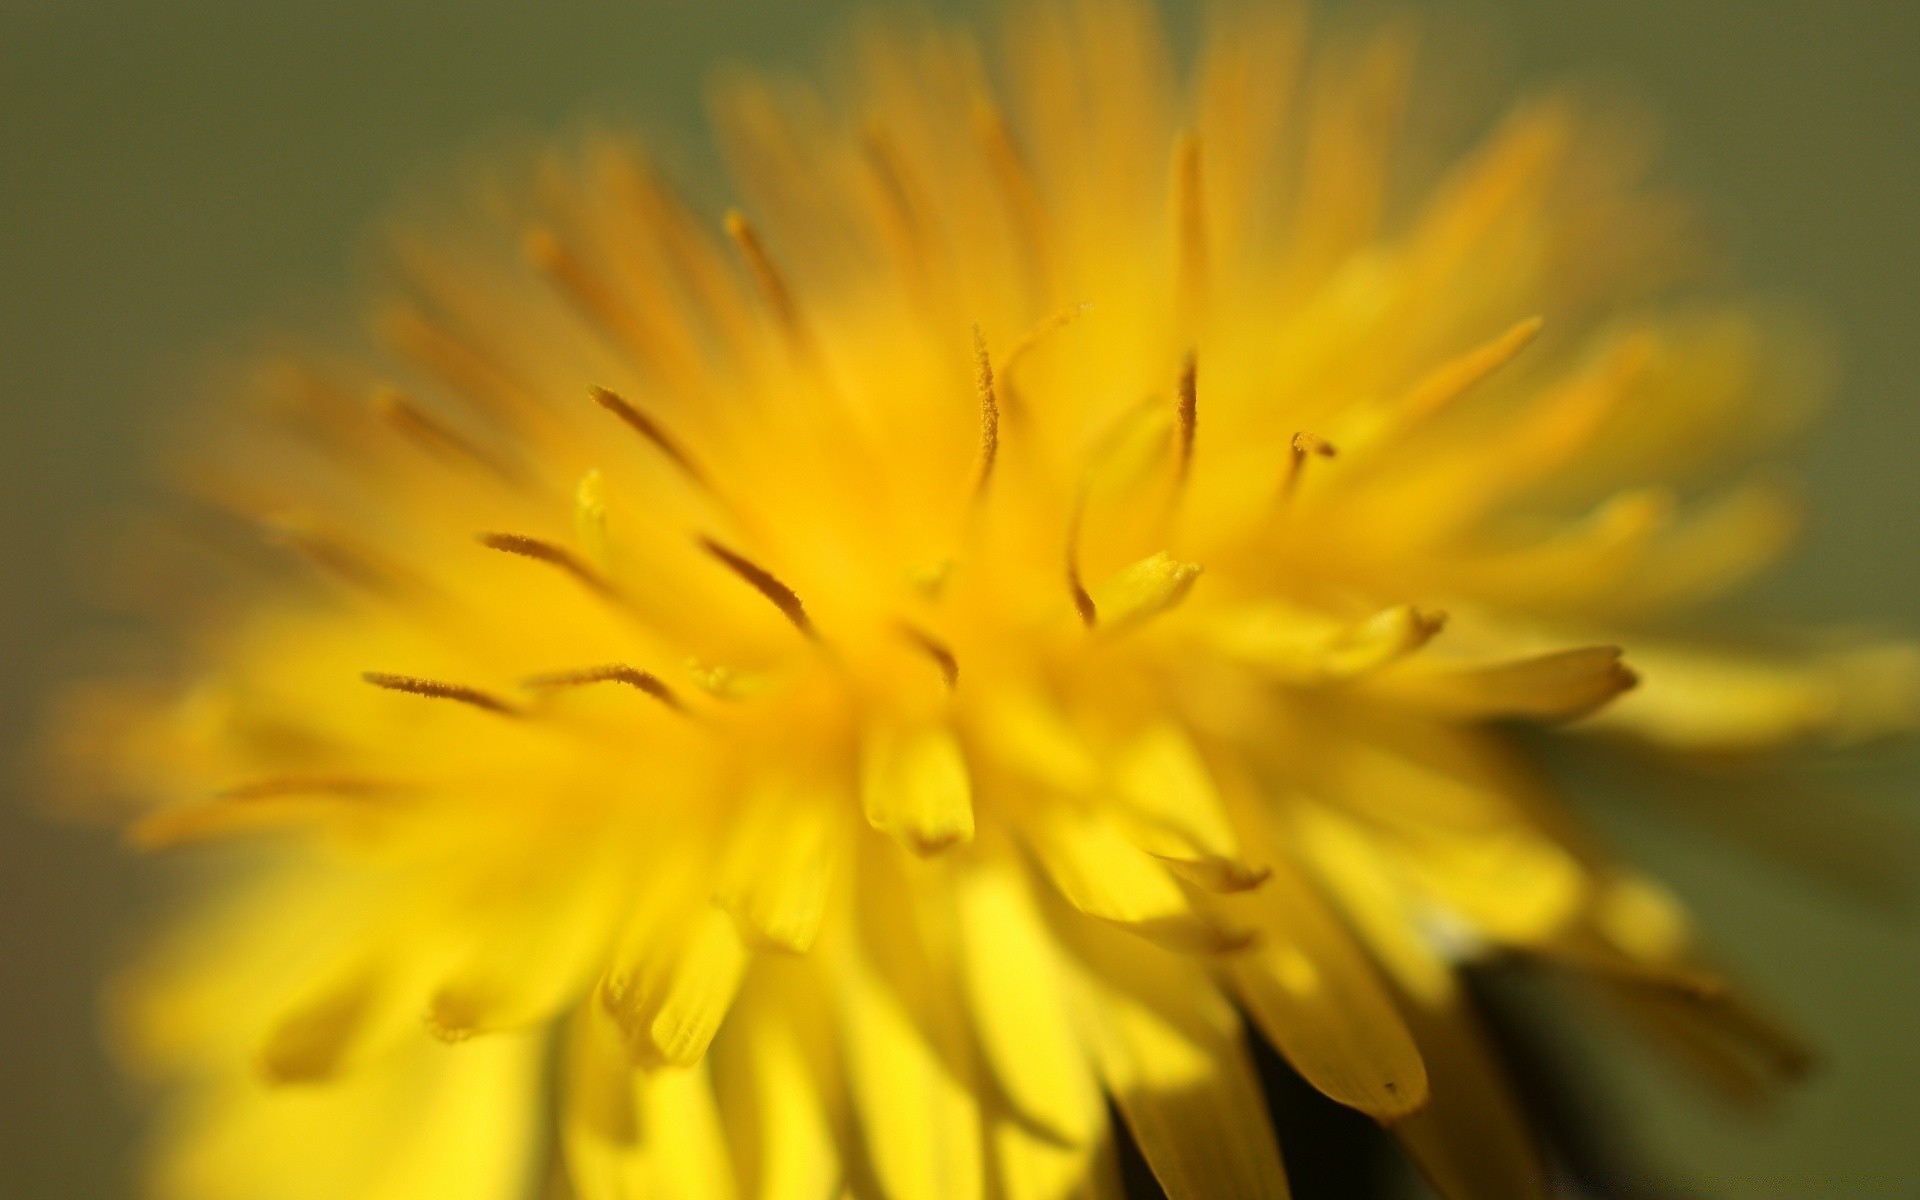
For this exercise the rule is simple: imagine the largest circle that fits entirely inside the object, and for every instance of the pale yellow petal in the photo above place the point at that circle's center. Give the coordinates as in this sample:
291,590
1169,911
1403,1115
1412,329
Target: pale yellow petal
532,959
628,1132
1513,886
796,1157
1026,733
1702,700
1035,1167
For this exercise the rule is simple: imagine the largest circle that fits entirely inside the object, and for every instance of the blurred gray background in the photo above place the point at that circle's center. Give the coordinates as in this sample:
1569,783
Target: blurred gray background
176,178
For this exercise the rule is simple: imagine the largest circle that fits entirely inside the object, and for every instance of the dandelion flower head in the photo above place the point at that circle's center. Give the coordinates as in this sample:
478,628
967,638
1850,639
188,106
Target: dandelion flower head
842,698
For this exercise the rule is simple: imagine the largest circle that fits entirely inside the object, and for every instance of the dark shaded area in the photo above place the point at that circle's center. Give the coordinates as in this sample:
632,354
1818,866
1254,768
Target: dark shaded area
1586,1152
1134,1172
1331,1151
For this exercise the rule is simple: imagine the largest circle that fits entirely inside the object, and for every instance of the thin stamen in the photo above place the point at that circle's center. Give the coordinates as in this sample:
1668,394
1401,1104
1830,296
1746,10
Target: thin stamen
349,564
989,413
1076,587
650,429
1455,378
432,434
680,239
937,650
1032,338
278,786
763,581
633,677
1304,445
552,555
891,179
457,363
773,285
1189,415
434,689
1016,184
570,275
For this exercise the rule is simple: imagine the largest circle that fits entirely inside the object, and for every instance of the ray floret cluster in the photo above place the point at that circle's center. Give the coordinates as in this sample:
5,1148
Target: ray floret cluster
843,698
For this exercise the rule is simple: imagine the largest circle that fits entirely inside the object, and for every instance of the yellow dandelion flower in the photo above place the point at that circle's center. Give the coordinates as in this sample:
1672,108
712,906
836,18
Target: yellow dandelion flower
822,702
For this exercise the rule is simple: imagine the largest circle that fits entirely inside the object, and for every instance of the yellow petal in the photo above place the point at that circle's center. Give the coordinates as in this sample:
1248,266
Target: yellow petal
310,1041
1471,1141
356,1009
1309,647
1103,874
680,1134
1146,589
1458,488
904,1045
1572,566
1716,548
1035,1167
1358,875
428,1120
1026,733
671,1003
776,1075
1512,885
796,1155
916,788
1557,686
1318,999
535,957
1013,987
628,1132
1176,812
1169,1048
1700,700
1720,1036
780,860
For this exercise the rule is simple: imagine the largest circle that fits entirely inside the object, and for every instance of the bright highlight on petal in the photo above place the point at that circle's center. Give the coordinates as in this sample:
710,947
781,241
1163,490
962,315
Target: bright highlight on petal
841,697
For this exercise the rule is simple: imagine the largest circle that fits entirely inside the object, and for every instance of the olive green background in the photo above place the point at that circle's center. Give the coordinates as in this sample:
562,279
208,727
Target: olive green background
176,178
